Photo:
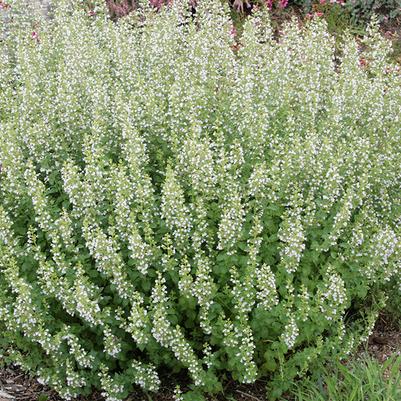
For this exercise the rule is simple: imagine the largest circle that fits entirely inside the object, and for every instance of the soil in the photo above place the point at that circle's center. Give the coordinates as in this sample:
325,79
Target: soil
385,340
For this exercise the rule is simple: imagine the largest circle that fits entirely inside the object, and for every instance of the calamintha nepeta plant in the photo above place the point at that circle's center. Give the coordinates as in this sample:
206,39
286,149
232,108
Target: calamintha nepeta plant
169,199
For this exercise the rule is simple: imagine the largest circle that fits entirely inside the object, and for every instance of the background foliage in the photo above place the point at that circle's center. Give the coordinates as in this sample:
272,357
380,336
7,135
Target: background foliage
357,9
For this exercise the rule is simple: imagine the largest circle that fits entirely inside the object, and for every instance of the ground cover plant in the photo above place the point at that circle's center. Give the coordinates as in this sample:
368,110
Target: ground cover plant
174,197
359,380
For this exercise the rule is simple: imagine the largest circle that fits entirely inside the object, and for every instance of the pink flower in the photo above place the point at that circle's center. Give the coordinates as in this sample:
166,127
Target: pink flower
322,1
269,4
319,14
35,35
233,32
283,3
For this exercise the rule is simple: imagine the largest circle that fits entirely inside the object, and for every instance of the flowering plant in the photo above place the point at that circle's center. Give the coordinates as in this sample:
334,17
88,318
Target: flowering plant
166,202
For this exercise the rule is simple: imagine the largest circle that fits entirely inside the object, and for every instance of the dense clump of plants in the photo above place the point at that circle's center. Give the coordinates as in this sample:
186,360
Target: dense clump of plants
173,199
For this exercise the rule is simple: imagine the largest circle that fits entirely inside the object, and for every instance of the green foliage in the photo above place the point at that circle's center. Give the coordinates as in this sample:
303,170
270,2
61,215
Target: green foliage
392,312
364,9
361,379
340,19
358,10
172,199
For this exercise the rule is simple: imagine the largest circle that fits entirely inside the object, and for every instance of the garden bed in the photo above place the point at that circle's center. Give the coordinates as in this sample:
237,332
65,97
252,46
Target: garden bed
384,342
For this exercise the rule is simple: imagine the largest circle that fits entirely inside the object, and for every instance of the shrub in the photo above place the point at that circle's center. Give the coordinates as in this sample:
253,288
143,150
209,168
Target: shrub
364,9
172,199
357,9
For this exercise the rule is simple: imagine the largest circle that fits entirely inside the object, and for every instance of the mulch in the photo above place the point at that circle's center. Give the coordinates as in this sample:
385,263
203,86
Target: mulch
385,341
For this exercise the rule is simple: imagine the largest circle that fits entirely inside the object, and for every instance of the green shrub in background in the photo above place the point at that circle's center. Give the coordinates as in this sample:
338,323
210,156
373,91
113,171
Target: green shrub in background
360,11
171,201
364,9
392,312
